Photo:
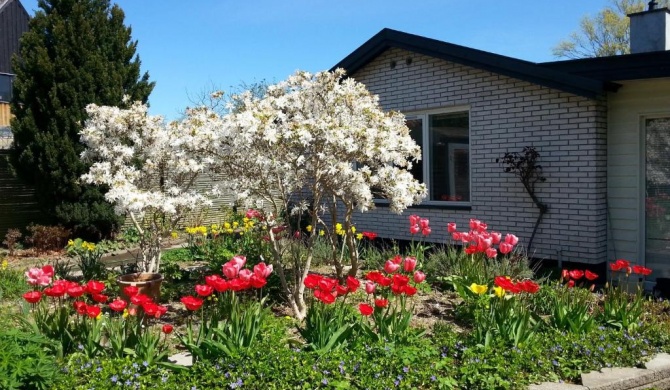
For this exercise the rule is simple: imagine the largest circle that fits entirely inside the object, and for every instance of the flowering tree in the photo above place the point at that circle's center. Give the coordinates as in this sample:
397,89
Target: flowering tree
149,167
321,146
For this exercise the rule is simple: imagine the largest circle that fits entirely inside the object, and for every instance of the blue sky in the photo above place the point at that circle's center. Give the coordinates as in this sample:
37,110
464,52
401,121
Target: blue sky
192,46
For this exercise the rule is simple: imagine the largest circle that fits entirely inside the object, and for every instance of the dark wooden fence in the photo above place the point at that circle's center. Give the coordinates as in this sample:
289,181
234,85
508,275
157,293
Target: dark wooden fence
18,207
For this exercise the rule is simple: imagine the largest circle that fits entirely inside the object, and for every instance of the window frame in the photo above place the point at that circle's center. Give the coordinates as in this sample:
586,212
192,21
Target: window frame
424,115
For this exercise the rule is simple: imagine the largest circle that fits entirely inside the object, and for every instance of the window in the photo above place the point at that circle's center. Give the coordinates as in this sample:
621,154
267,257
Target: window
5,87
444,137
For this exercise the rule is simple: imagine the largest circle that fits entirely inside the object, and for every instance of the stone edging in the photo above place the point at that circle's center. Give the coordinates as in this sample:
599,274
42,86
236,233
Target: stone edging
655,375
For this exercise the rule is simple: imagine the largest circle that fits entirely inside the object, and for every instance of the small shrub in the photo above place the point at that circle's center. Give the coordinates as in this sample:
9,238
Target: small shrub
25,361
47,238
12,282
12,239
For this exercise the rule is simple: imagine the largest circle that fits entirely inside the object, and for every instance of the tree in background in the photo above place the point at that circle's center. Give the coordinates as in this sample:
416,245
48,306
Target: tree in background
606,34
76,52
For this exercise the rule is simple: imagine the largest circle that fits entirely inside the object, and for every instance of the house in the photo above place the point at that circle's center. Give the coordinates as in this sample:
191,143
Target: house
600,125
17,205
13,23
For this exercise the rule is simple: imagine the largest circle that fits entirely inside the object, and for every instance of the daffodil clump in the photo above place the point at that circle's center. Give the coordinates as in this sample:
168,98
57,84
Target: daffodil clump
88,257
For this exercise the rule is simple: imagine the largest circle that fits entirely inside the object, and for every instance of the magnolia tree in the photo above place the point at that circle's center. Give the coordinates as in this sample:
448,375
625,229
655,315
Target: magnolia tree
319,146
150,168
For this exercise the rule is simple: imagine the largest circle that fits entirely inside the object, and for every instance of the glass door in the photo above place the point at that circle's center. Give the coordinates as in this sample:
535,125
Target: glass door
657,191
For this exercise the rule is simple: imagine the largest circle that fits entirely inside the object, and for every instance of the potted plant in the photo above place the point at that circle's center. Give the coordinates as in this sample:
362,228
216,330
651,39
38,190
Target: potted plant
150,169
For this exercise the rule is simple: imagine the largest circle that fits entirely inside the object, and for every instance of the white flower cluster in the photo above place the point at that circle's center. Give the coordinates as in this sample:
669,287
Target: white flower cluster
322,132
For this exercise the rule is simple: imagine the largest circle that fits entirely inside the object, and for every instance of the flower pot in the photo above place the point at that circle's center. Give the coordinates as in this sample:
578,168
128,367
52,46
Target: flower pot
148,284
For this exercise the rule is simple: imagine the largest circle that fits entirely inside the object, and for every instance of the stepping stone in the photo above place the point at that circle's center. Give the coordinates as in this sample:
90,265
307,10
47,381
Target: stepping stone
611,377
659,362
182,359
556,386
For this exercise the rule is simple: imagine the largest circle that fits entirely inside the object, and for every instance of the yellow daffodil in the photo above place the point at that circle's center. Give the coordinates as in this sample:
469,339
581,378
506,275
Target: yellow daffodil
359,236
226,225
5,264
322,232
478,289
235,225
353,229
174,235
309,228
499,291
70,243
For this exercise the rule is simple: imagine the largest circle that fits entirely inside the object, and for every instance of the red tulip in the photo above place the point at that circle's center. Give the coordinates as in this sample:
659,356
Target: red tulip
410,264
638,269
327,284
505,248
150,309
590,275
131,291
381,302
365,309
139,299
491,253
470,249
571,284
419,277
397,289
529,286
55,291
95,287
370,235
100,298
414,229
409,290
374,276
426,231
414,219
76,291
192,303
619,265
385,282
79,307
239,284
397,259
161,310
424,223
390,267
211,280
92,311
565,274
576,274
325,297
400,280
341,290
353,284
257,281
495,238
204,290
32,296
312,281
118,305
167,328
451,227
263,270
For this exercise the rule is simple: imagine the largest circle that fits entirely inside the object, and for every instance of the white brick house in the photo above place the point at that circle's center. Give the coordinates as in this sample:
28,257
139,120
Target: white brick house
587,118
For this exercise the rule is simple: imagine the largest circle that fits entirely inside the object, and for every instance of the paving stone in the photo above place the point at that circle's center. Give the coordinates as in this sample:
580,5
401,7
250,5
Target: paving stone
659,362
182,359
556,386
617,378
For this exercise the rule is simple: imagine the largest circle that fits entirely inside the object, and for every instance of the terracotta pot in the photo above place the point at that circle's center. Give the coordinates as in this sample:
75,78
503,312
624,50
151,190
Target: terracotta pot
148,284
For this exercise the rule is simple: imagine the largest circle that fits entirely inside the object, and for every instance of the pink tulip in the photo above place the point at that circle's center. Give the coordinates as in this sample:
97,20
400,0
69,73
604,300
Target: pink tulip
426,231
424,223
231,269
410,264
419,277
506,248
262,270
245,274
239,260
414,219
496,237
451,227
370,287
414,229
390,267
511,239
36,276
456,236
491,253
474,224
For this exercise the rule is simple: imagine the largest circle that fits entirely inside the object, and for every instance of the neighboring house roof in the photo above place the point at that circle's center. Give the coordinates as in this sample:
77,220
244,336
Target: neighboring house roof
13,23
617,68
543,74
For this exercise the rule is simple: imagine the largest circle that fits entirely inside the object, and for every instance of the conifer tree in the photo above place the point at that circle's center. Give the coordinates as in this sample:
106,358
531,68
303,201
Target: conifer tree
76,52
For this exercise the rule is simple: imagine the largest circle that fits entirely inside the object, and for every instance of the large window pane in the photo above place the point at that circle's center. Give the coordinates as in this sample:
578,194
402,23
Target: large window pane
449,154
657,191
415,126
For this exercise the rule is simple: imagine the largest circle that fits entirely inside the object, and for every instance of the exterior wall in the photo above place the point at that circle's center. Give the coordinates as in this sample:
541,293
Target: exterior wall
506,114
625,167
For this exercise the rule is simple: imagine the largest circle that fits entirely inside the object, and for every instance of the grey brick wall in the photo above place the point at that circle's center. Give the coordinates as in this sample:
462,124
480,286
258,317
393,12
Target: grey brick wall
506,114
